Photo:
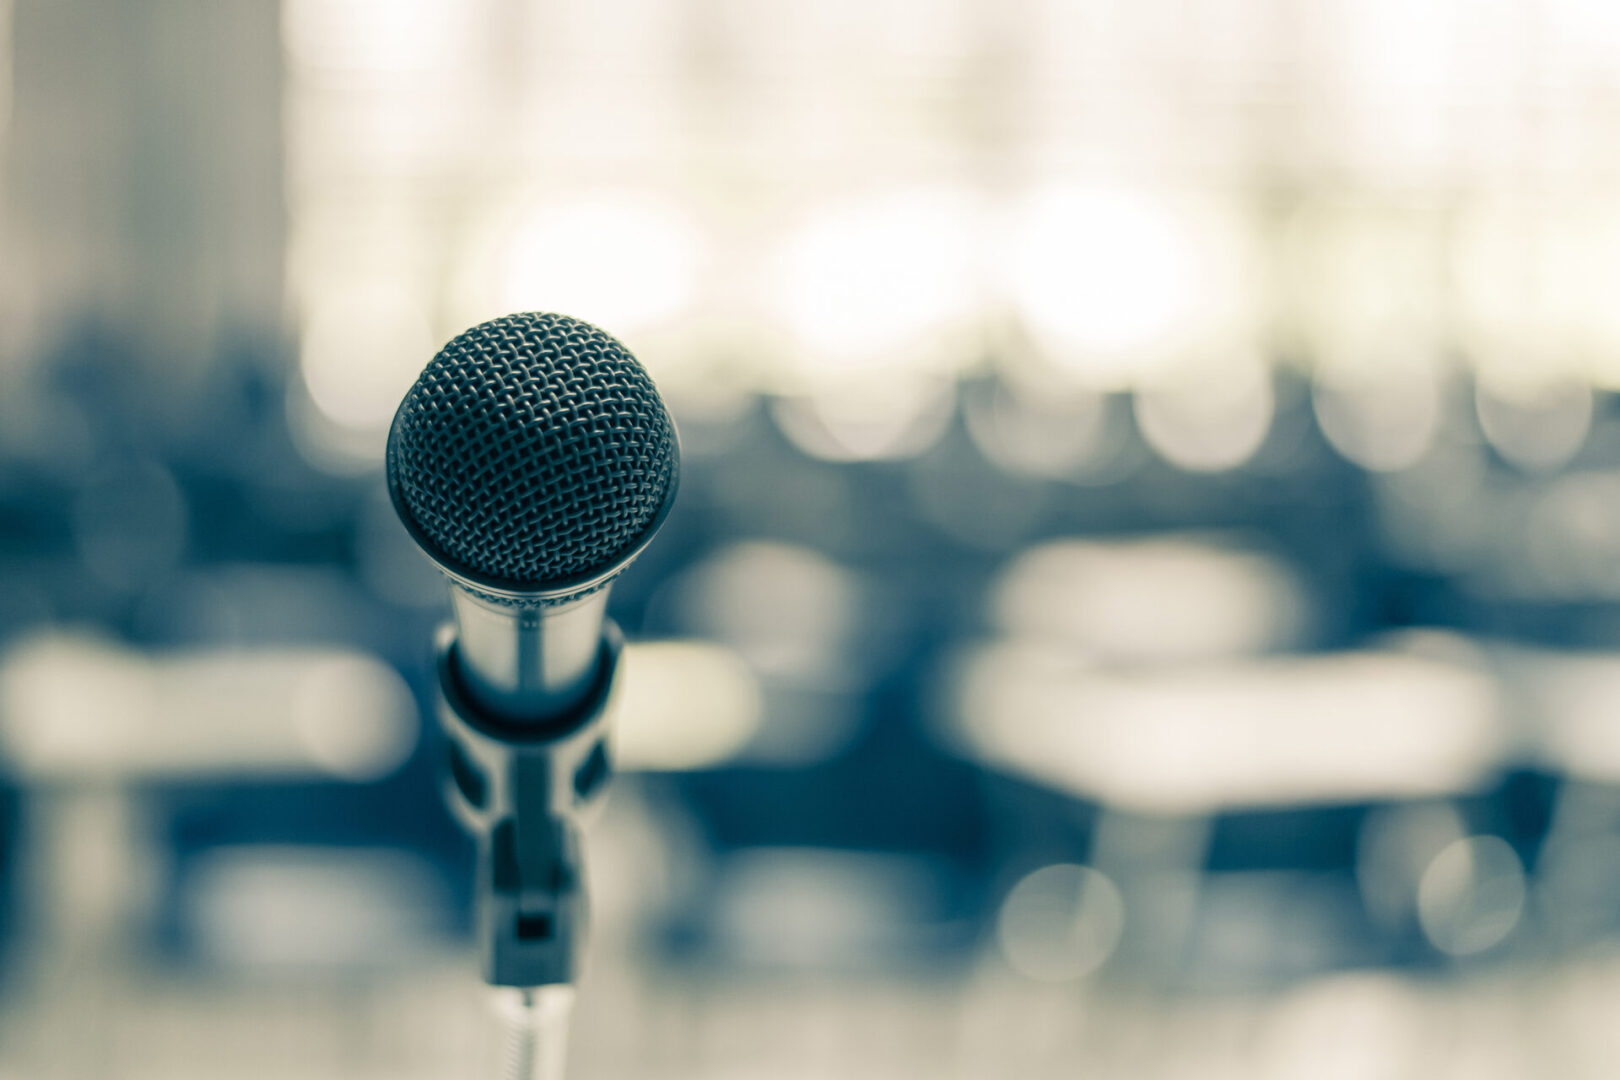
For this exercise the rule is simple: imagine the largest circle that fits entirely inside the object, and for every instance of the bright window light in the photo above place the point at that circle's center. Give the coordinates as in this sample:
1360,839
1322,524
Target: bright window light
384,37
890,281
1112,281
626,262
362,349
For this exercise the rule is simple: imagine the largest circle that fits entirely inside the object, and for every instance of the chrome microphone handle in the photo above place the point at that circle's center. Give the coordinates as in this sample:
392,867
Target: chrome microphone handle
520,788
527,661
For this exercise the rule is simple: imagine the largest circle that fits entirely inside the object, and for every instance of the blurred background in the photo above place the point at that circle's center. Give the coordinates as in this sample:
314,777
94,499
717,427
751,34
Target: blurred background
1145,593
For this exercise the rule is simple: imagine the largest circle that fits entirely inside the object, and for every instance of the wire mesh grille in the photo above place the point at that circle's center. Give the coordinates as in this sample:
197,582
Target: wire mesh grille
533,449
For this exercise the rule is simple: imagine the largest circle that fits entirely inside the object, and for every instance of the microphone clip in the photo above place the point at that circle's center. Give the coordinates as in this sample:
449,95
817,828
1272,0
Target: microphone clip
521,789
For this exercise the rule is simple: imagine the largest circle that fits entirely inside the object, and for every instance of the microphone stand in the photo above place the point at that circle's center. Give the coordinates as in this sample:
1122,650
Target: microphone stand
521,789
536,1022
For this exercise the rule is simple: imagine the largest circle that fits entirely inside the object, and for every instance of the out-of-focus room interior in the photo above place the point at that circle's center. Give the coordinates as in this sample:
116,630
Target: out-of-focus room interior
1144,598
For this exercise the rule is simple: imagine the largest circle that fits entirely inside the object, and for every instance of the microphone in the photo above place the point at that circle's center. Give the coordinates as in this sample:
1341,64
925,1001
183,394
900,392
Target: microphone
532,461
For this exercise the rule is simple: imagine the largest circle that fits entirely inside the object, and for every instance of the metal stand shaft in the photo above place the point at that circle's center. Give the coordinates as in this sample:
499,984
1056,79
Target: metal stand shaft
536,1023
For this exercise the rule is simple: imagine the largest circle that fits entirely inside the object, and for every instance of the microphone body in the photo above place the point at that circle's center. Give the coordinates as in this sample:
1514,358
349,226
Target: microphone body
528,662
522,790
532,461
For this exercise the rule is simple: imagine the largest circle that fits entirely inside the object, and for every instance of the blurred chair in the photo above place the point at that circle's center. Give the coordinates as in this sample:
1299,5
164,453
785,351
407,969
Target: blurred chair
1164,752
86,724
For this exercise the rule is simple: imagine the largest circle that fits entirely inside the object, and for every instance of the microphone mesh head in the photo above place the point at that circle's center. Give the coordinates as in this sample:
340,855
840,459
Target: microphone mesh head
532,450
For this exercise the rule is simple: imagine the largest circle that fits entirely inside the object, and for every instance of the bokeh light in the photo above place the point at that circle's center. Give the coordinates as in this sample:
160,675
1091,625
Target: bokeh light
1039,434
684,705
1196,739
630,261
1539,427
1383,415
1110,279
82,708
1165,599
1208,420
1472,895
361,352
1142,599
886,282
1060,923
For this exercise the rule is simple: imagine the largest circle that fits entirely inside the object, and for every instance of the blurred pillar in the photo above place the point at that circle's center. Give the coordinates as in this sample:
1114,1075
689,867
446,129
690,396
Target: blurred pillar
144,179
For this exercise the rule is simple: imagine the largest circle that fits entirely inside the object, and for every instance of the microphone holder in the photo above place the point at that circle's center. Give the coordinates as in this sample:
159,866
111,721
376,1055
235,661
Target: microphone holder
521,788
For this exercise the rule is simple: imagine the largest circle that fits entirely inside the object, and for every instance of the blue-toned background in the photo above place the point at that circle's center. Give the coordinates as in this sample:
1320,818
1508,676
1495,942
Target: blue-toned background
1144,598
